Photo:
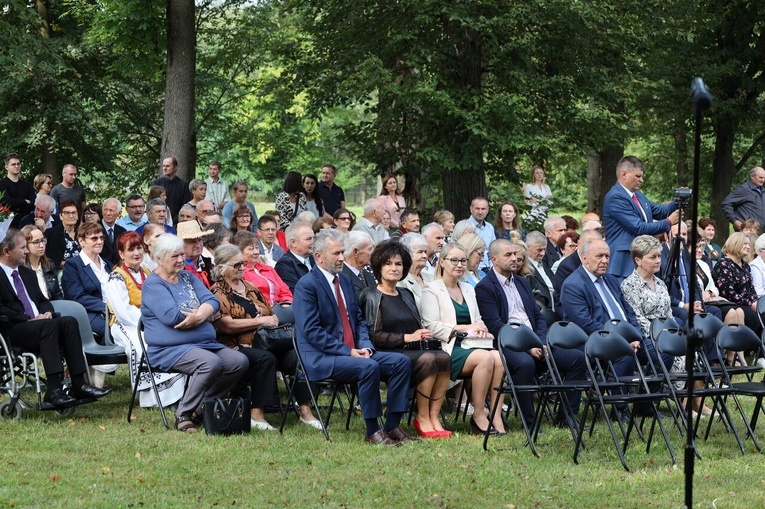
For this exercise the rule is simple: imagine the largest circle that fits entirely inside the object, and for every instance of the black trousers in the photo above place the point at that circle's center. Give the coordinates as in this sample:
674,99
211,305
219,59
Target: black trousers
50,338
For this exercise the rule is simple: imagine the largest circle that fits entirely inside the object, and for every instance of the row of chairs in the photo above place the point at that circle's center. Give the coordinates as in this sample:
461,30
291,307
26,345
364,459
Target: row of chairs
651,387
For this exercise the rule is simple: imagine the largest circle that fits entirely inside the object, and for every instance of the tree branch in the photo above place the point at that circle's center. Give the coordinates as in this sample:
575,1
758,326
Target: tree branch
759,141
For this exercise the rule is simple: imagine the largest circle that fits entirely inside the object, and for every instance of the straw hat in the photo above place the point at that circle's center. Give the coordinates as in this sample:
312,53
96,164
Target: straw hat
191,230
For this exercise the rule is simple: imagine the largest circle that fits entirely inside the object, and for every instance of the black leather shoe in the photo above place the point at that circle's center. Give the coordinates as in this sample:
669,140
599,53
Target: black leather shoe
399,435
88,391
59,397
649,412
379,437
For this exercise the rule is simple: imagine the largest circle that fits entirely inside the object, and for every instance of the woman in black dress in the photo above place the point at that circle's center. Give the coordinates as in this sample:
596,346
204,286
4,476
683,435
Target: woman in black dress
394,324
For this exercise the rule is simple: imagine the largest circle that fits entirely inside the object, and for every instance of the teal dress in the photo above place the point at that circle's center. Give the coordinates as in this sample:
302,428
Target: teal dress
459,354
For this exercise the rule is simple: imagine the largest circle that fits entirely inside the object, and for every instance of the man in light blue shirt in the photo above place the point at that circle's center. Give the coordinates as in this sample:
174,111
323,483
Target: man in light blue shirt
479,209
135,218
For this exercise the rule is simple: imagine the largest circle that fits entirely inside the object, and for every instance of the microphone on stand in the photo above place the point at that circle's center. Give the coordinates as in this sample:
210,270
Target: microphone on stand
702,99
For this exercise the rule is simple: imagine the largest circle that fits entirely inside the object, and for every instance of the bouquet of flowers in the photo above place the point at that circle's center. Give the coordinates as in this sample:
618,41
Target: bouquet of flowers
6,216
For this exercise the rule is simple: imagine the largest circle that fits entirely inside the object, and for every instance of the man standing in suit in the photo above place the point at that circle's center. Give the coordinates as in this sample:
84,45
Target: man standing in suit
554,228
542,278
298,260
590,297
333,340
503,298
111,210
627,213
269,249
358,251
31,326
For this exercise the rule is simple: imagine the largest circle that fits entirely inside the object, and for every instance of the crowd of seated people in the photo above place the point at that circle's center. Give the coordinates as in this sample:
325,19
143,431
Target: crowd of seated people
407,295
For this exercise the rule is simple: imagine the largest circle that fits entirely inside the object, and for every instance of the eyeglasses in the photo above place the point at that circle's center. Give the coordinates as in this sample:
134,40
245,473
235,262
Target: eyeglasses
248,218
38,242
457,261
267,230
95,238
69,213
343,218
136,206
237,265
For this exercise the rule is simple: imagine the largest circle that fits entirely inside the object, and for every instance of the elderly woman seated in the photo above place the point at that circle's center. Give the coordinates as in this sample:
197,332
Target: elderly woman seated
394,325
177,311
243,309
85,275
123,296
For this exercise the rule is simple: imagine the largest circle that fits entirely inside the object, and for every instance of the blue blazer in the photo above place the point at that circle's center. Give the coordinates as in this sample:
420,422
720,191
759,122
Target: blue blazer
291,270
81,285
623,222
318,325
492,304
581,304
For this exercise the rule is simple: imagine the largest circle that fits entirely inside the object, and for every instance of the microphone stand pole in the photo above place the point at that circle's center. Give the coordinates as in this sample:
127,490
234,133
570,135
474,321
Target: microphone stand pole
702,100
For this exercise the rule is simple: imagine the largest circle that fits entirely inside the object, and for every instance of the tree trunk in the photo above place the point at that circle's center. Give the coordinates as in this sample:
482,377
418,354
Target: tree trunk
459,190
601,175
724,172
684,176
178,131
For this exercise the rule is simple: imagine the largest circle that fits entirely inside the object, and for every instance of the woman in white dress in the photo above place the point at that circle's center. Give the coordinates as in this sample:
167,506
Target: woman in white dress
123,296
538,193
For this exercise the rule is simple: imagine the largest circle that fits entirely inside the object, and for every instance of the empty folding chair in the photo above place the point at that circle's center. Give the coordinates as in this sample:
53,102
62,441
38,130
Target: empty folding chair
602,349
741,338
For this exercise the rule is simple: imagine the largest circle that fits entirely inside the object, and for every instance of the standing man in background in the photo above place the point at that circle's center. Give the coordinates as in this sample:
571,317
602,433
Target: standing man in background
627,213
217,188
176,188
69,189
332,196
747,200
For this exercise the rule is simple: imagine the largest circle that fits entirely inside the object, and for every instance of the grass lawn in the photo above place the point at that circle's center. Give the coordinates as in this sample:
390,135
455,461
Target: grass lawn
94,458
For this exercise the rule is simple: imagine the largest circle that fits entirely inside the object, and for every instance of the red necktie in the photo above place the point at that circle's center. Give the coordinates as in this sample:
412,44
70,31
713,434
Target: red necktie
347,330
637,202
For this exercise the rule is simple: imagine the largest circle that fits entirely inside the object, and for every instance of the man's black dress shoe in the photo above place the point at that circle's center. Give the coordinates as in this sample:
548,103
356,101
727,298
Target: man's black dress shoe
379,437
86,391
59,397
649,412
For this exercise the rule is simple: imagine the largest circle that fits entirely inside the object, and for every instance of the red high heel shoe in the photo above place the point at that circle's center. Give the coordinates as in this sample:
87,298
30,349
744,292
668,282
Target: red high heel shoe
425,434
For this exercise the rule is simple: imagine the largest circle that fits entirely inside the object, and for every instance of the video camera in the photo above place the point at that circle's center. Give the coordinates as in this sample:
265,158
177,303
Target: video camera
683,196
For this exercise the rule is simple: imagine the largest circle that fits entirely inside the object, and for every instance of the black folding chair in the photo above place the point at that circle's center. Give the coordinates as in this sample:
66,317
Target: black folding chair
741,338
566,336
602,349
144,367
334,385
519,338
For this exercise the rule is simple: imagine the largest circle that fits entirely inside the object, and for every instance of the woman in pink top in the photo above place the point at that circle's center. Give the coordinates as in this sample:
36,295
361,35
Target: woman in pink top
392,201
263,276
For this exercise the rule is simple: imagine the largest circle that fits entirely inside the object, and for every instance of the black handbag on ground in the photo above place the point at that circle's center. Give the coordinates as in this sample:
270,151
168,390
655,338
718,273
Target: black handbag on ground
227,416
276,340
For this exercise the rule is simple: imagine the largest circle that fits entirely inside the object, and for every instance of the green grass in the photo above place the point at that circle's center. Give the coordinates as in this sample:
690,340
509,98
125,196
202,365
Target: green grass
94,458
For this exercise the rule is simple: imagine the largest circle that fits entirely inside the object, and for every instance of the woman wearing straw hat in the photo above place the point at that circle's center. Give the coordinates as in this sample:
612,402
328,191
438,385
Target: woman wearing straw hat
192,235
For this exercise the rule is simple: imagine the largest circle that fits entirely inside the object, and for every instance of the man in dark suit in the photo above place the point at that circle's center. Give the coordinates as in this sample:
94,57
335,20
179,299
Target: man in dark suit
334,341
267,245
627,213
111,210
504,298
571,263
298,260
542,278
42,215
590,297
358,251
31,326
554,228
